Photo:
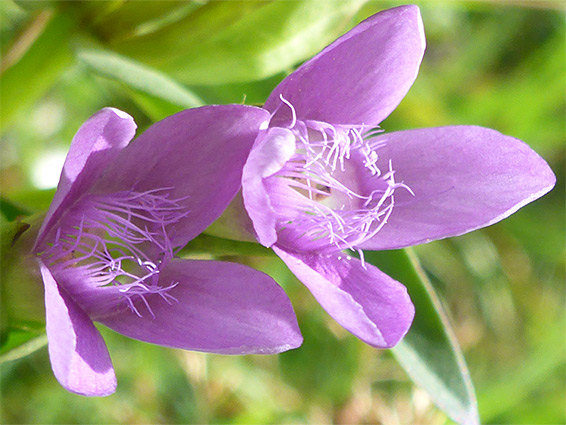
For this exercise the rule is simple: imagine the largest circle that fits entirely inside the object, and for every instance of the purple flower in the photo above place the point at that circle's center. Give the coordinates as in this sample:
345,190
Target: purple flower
106,247
322,178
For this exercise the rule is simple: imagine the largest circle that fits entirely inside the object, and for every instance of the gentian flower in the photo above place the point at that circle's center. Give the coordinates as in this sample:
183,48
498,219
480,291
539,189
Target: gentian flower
107,244
322,178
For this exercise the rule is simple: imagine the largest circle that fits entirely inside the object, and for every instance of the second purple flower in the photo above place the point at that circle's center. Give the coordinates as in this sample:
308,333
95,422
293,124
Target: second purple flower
322,178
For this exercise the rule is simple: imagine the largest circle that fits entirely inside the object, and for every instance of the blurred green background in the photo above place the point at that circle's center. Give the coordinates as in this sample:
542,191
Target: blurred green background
495,64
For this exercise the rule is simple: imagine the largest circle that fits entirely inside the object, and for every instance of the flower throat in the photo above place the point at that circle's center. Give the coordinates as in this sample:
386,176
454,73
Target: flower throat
119,240
330,169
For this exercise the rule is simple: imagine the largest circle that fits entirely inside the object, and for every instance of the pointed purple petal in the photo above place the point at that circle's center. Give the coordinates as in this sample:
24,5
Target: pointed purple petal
275,149
463,178
362,76
221,308
78,355
365,301
198,153
96,143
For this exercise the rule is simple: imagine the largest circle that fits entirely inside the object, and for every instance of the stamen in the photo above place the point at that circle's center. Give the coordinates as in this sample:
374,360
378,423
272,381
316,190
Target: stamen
120,239
335,212
294,114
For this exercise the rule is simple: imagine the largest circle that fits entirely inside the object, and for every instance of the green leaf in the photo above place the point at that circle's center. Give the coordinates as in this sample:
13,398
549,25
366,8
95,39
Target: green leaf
429,352
324,365
133,18
33,5
207,244
15,338
11,210
512,387
173,40
240,42
20,344
160,92
27,202
21,289
10,232
37,70
155,108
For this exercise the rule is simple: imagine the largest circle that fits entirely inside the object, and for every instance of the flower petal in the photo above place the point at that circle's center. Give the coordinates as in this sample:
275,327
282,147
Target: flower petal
463,178
198,154
266,158
78,355
220,307
362,76
364,300
96,143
